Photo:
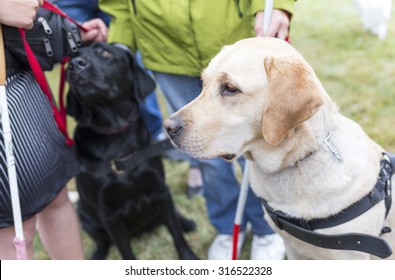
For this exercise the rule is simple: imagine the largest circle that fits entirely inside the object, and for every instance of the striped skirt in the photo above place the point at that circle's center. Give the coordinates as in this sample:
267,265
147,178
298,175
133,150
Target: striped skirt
44,163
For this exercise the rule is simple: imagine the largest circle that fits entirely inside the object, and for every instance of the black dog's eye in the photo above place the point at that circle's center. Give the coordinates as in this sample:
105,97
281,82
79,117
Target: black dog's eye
228,89
103,53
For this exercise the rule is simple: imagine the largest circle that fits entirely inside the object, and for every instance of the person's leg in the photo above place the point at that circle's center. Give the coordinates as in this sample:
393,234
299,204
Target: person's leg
195,179
221,191
59,229
7,236
253,209
152,115
178,90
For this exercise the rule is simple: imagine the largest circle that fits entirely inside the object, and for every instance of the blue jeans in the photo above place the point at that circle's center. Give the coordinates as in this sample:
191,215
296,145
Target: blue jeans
82,10
221,188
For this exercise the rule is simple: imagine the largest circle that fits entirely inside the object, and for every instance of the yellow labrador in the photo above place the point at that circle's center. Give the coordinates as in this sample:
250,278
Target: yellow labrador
316,170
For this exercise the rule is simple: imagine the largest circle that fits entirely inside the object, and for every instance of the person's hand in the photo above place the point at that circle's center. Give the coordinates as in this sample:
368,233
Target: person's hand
97,31
279,25
19,13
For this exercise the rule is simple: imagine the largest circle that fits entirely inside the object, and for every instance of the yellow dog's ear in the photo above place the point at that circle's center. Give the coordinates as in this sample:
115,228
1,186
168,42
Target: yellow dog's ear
292,97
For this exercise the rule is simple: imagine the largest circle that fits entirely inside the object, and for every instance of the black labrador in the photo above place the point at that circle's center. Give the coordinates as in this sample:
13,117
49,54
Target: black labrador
106,86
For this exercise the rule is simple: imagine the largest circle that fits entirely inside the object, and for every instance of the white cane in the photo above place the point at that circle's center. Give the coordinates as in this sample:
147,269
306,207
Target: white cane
240,208
19,240
267,14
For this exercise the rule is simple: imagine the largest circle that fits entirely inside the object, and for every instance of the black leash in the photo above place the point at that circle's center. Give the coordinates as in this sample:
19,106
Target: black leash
304,230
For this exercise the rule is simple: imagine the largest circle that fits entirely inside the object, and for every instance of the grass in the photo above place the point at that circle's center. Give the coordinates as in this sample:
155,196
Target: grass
354,66
357,70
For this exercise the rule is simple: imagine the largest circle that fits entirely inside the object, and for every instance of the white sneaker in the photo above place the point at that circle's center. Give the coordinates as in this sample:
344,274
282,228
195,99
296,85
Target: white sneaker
222,246
267,247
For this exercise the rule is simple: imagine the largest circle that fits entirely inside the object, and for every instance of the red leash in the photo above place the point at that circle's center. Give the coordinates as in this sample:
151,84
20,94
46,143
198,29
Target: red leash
62,106
58,11
42,82
59,114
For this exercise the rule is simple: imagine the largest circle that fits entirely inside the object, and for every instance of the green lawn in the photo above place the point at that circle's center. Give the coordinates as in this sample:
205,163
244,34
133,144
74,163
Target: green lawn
355,67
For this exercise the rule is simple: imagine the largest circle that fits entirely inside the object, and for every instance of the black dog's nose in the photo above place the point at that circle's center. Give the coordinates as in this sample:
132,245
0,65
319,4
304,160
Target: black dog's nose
78,63
173,126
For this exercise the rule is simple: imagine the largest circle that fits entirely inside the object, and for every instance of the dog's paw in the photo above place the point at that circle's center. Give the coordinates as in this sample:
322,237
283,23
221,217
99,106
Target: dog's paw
187,254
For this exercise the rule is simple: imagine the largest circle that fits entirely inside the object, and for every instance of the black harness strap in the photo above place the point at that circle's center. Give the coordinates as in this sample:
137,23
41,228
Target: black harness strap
303,229
121,165
130,161
350,241
388,201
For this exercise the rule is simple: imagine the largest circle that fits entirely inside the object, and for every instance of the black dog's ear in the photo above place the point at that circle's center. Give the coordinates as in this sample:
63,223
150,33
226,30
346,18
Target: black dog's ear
144,84
74,108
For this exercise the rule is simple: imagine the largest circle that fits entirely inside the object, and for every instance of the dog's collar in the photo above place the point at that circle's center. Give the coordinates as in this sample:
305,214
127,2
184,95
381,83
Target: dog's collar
329,144
304,230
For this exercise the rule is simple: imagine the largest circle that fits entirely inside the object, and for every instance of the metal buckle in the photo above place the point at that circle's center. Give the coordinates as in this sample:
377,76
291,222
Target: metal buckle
114,168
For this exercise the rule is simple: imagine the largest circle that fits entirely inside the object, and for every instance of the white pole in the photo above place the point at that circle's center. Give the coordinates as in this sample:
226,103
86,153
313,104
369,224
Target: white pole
267,14
10,162
243,194
9,152
240,208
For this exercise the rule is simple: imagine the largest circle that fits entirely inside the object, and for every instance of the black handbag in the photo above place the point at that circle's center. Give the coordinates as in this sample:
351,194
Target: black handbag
52,38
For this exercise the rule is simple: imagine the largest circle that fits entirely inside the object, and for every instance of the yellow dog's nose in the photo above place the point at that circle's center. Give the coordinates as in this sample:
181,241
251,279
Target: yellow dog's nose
173,126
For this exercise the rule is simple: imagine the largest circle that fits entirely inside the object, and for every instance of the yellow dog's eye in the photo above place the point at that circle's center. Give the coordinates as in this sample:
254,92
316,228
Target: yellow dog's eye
228,89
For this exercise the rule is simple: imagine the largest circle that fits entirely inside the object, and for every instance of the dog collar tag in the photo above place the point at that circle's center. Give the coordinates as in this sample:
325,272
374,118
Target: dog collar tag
331,147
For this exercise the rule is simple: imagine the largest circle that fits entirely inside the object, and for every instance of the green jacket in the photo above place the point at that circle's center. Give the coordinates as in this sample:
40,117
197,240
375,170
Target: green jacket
181,36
